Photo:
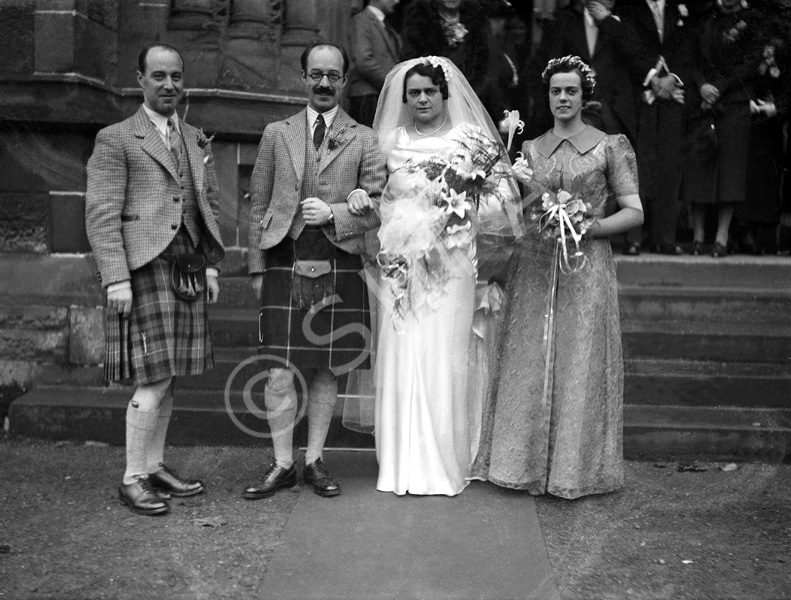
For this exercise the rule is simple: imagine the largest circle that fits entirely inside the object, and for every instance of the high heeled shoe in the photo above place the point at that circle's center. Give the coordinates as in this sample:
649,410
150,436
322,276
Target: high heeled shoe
719,250
697,248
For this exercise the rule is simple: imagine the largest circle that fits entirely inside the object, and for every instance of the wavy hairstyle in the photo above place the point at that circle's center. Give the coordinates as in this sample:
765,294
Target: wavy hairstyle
570,64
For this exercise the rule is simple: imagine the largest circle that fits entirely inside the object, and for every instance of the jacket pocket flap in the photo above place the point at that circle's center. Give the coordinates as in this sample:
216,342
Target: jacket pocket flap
127,218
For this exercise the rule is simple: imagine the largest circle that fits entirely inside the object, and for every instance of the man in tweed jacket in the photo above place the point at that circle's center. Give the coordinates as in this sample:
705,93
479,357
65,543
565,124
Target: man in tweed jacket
315,192
152,195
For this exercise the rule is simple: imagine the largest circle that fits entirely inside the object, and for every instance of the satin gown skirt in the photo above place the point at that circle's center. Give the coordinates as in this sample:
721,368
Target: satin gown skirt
423,428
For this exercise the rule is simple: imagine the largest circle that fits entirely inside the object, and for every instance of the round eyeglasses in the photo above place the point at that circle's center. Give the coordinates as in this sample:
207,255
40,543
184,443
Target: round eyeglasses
333,76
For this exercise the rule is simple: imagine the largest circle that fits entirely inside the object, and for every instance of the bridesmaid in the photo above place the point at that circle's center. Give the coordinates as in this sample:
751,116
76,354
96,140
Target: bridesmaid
555,420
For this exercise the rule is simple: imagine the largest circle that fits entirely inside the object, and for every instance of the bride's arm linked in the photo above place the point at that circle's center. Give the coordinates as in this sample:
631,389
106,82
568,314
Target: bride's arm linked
371,179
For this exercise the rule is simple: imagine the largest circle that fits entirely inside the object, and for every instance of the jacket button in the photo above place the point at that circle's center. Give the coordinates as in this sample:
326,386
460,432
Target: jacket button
174,227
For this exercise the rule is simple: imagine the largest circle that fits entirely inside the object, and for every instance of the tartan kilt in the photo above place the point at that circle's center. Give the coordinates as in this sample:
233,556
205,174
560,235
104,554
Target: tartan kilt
164,336
333,334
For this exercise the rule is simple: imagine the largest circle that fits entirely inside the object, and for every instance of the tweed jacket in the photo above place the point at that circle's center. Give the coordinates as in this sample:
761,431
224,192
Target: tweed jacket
351,159
374,51
132,204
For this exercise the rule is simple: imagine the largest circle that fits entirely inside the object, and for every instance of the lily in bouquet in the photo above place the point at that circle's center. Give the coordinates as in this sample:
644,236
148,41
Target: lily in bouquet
424,228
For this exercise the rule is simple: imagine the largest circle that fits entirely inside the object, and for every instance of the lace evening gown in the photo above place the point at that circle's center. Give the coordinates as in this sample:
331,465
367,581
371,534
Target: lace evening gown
555,419
425,438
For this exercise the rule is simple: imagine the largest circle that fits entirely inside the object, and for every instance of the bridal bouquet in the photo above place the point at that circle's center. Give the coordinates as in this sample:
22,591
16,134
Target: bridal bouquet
437,215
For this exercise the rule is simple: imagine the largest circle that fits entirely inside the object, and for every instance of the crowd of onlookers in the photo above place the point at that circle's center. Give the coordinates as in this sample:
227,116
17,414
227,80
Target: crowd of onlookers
701,88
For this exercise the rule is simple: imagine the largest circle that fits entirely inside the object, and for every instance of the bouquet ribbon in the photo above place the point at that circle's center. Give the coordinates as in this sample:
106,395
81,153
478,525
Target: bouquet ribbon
559,212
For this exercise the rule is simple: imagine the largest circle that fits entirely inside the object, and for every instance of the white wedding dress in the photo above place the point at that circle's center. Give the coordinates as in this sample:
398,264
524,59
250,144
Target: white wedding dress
427,425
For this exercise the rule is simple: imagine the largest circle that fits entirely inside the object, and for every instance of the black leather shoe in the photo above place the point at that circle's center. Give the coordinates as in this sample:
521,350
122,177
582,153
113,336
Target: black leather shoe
719,250
323,484
274,479
631,249
171,484
141,498
670,249
697,248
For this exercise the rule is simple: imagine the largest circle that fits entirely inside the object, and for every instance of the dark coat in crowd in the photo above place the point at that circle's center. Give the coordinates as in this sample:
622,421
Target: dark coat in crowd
661,122
423,35
614,52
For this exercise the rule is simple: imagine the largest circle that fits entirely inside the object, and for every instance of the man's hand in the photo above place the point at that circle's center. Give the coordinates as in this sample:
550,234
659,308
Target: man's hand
257,284
597,10
667,87
213,288
120,301
709,93
761,107
359,203
315,211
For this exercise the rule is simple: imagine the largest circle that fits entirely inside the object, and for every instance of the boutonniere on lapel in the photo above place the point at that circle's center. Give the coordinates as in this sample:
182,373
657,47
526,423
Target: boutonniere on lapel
683,13
203,143
336,140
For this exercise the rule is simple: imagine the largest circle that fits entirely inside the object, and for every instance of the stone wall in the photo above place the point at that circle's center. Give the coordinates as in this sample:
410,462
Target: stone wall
67,70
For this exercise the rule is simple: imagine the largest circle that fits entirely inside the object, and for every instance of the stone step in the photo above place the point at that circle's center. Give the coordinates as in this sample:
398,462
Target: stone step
712,384
647,382
734,274
668,432
721,305
673,432
733,342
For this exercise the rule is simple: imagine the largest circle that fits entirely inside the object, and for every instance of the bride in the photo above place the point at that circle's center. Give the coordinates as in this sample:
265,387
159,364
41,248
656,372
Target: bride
445,189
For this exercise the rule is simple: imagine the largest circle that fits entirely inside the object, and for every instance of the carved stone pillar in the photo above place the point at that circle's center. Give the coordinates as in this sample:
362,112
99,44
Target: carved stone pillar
301,24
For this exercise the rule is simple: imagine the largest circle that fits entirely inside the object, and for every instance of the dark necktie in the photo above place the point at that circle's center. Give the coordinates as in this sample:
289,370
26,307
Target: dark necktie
174,139
318,132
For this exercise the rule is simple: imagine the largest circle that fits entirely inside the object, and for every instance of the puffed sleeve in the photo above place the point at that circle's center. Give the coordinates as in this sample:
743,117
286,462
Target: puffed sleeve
621,166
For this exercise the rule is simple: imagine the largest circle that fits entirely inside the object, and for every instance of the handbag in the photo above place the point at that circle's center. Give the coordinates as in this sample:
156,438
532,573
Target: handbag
187,276
311,282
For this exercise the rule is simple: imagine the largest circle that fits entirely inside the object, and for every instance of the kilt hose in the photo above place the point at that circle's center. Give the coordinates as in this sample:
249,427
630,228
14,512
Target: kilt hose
332,334
164,336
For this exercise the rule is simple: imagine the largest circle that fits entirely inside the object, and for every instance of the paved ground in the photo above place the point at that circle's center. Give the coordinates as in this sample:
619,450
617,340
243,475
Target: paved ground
703,534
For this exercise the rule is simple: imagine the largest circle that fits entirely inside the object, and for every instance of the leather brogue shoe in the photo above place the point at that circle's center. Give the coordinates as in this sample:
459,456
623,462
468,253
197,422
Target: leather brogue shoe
275,478
316,474
141,498
166,482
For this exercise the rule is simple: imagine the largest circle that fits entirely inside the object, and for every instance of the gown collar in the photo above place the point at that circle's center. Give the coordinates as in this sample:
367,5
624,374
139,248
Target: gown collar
583,141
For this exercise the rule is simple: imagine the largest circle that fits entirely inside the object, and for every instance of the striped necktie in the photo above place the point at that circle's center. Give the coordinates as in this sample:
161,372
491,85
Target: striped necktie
318,132
174,141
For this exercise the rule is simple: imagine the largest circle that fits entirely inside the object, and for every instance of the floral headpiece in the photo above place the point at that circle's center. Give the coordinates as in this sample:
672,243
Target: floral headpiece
442,63
570,62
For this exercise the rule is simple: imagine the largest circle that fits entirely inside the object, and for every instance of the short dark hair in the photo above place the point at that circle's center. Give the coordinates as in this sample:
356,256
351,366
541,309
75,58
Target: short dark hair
141,58
436,74
306,53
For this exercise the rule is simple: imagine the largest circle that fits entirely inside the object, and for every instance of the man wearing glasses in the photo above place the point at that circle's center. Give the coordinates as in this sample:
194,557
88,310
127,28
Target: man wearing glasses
305,265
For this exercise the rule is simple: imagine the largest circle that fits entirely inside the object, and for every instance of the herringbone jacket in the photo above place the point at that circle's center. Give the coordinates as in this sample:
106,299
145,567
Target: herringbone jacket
132,204
351,159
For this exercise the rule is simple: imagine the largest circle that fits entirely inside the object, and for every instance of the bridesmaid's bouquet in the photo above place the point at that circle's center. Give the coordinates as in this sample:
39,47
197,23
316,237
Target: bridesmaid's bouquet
566,218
